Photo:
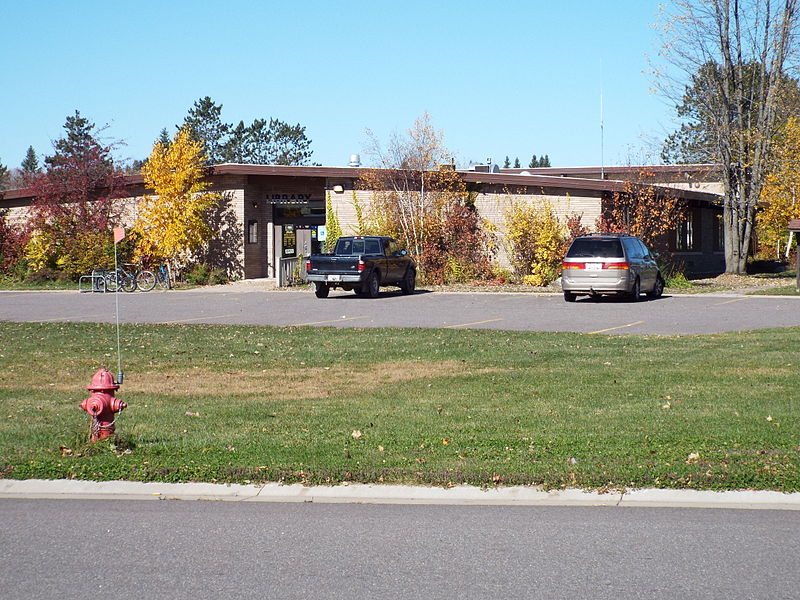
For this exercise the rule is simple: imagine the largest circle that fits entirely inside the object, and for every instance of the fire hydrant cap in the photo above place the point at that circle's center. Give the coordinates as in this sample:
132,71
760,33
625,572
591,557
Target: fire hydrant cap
102,380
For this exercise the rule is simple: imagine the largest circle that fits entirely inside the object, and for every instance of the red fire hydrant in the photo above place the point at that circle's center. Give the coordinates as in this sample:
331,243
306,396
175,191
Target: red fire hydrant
102,405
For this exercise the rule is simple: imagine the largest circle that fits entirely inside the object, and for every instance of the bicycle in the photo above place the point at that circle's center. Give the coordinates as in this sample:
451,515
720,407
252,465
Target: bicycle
131,279
162,277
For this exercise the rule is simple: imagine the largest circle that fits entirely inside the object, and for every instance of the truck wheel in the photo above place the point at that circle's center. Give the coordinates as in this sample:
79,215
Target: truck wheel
409,283
321,290
372,285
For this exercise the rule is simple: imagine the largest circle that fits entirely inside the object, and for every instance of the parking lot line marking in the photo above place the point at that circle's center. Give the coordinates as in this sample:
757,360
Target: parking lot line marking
470,324
730,301
200,319
331,321
618,327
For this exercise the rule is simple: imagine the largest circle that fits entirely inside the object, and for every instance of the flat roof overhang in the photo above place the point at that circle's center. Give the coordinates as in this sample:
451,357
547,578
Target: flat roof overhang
535,180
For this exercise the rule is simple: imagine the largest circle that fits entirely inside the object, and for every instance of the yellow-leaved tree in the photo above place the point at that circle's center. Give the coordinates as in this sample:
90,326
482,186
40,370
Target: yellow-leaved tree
173,223
534,241
781,194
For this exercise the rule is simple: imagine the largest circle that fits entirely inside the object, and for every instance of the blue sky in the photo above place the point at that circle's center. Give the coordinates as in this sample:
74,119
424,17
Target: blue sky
499,78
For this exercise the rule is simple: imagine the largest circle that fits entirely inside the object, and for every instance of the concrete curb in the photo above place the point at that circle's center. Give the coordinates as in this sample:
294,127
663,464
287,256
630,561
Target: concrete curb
394,494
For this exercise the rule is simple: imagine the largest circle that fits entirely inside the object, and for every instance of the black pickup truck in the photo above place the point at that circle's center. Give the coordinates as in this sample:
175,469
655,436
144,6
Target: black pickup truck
362,264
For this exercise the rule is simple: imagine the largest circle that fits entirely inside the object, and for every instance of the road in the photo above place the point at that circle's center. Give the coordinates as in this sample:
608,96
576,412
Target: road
670,315
65,549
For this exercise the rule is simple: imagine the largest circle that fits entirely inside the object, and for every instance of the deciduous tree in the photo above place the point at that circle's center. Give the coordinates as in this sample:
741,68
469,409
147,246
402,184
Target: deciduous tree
535,241
173,223
781,192
74,203
413,200
648,212
734,54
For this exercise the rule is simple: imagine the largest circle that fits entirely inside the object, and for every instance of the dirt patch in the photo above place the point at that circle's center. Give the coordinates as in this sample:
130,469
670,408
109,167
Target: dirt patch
728,281
299,383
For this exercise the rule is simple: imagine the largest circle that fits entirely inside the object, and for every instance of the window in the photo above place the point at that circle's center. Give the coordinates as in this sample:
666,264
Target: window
252,232
644,250
595,247
684,234
633,247
719,233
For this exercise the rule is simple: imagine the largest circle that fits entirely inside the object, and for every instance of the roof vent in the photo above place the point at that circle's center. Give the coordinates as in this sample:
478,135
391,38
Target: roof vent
355,160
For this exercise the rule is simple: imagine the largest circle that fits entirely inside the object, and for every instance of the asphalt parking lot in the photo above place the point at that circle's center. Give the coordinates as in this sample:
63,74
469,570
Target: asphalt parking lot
251,305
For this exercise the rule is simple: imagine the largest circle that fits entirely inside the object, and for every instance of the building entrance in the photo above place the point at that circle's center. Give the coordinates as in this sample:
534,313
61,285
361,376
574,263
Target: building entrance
295,243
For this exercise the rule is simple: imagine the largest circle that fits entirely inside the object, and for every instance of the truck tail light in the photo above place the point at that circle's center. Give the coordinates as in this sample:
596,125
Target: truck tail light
361,266
617,266
308,265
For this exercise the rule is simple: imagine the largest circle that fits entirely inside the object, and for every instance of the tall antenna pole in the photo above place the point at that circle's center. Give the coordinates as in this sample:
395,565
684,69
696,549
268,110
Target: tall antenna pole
602,140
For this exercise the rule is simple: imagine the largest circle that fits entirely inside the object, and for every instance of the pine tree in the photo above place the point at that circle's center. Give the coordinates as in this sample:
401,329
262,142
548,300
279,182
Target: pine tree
265,142
506,163
30,164
545,161
516,163
236,147
3,175
205,125
534,162
78,144
163,138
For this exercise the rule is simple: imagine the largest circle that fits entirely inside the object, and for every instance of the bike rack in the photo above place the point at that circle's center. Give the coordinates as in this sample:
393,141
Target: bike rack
96,282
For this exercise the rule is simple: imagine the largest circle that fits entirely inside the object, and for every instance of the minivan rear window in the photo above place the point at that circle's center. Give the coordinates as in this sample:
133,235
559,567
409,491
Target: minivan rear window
600,247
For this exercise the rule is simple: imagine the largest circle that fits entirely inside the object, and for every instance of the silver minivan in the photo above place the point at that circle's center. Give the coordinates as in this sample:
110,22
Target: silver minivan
610,263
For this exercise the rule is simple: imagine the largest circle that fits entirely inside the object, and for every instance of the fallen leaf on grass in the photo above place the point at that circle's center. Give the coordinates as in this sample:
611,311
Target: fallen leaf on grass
356,434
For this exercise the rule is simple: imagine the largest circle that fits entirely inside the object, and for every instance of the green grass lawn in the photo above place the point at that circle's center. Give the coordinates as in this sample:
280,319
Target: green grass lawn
787,290
440,407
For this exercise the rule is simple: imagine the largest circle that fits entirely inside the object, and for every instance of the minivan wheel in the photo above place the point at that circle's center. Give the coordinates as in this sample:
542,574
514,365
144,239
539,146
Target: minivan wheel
570,297
635,291
658,288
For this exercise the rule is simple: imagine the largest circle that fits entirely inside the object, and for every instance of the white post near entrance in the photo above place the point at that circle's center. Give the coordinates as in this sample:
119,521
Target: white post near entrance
794,227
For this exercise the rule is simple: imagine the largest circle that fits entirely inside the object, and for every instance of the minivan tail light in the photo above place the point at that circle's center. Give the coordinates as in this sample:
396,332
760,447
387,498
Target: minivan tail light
566,266
617,266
